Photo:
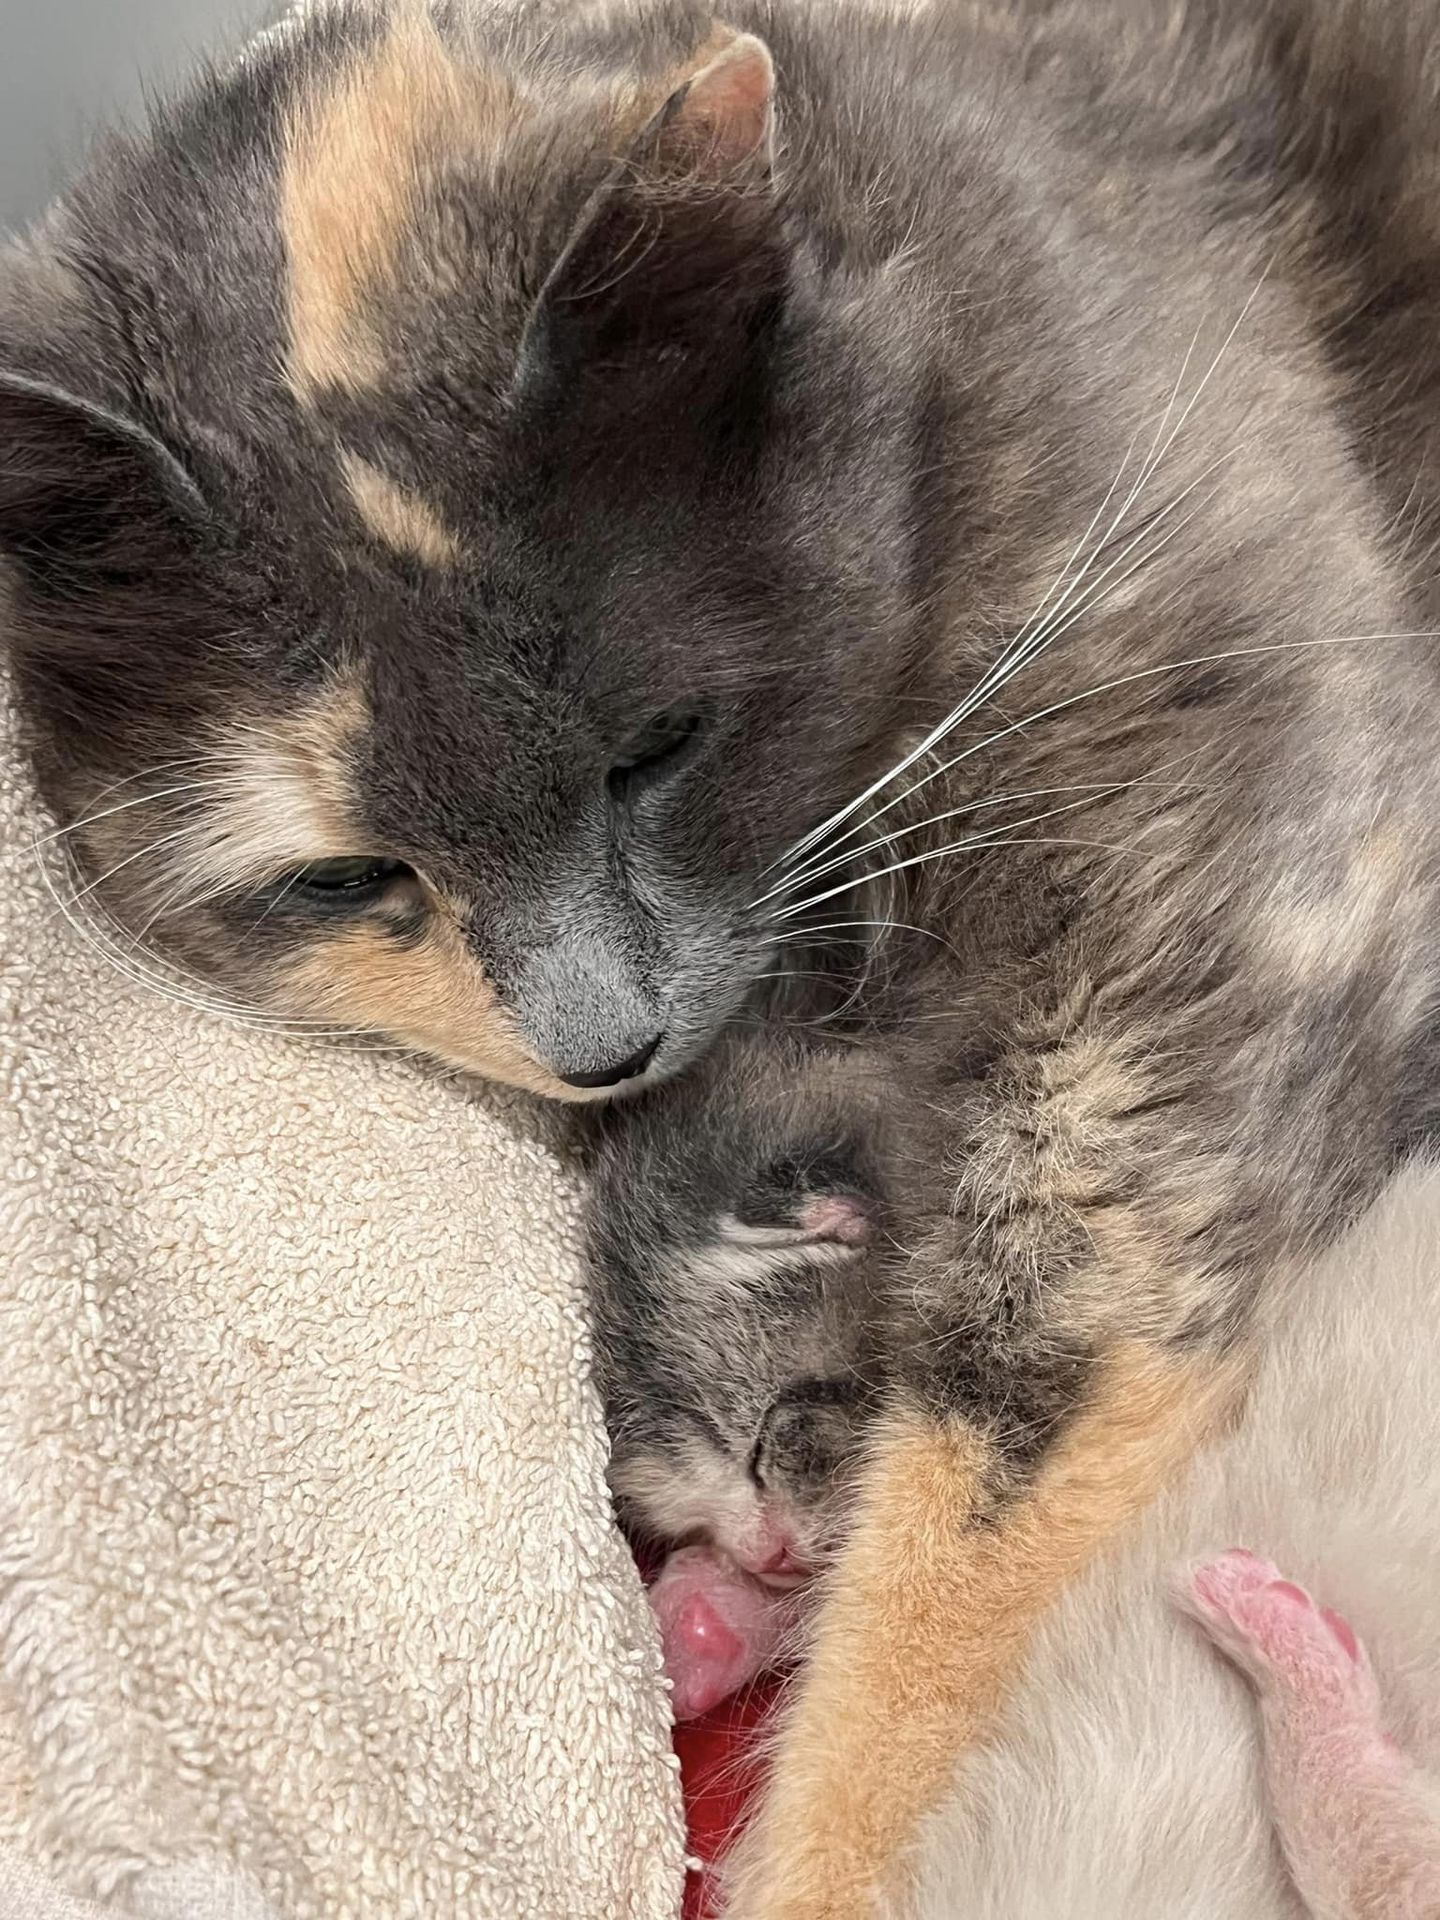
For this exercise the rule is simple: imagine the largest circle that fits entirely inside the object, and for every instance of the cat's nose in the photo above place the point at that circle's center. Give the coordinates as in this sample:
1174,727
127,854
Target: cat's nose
629,1068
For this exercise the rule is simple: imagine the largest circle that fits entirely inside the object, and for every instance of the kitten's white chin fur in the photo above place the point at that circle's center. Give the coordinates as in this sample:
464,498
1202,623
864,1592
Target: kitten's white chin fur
1124,1785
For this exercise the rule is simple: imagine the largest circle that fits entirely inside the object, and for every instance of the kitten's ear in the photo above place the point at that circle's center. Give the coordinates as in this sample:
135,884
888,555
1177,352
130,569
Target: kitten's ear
683,240
92,506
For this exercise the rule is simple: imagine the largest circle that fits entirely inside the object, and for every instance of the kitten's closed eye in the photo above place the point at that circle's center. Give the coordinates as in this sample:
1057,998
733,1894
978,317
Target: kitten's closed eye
809,1434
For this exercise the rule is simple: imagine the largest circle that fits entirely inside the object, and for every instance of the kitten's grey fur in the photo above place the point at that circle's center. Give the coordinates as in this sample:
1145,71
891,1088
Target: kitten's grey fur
564,456
739,1327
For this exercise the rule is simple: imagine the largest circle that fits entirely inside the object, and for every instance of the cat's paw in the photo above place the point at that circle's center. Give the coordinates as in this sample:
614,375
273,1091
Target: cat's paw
832,1225
719,1627
1278,1637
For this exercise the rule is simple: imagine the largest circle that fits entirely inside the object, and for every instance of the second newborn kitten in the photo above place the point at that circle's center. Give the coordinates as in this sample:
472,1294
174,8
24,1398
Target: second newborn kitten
738,1337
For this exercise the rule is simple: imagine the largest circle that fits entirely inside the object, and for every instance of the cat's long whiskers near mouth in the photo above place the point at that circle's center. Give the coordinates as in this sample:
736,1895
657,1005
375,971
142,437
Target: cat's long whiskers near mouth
1044,626
1096,789
1000,836
1013,650
825,927
1101,589
1166,666
1015,653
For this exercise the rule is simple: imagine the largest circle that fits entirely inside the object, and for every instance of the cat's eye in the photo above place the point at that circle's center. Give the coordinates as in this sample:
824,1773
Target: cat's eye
350,880
661,741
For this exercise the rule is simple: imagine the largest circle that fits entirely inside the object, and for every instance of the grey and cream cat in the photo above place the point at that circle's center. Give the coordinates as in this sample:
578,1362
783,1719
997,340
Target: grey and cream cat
527,519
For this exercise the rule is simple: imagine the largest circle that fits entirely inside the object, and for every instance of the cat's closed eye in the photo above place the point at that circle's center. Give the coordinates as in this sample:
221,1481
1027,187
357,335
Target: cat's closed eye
344,885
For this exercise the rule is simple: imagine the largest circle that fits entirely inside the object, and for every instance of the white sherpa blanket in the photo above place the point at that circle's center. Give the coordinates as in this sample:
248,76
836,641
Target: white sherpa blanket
310,1604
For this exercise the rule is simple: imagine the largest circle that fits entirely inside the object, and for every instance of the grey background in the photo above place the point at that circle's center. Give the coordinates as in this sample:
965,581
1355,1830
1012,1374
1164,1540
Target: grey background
69,66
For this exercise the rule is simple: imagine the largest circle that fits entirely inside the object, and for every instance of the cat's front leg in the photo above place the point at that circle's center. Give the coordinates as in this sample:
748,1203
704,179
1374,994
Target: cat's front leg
1070,1316
928,1616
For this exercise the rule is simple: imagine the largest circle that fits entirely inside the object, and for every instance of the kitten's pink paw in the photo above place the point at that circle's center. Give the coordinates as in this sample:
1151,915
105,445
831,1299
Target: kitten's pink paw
719,1627
1277,1636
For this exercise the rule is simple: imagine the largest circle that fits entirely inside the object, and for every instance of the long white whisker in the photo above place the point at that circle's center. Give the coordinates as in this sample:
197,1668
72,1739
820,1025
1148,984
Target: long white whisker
808,840
1095,596
996,835
288,887
839,926
152,846
1089,693
984,842
142,800
1096,787
151,773
145,972
1027,643
1017,650
1220,354
817,870
1167,666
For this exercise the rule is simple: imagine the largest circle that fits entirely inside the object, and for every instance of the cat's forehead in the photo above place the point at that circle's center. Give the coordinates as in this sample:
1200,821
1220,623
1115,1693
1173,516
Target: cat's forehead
427,175
424,185
372,144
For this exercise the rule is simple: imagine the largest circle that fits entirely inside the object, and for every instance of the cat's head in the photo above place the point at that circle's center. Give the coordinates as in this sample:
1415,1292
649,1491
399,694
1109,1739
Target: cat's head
737,1239
740,1387
458,541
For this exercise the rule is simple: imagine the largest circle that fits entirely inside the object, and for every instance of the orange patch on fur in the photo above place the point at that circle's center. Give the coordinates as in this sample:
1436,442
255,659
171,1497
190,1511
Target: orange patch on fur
360,154
432,995
927,1618
273,792
400,519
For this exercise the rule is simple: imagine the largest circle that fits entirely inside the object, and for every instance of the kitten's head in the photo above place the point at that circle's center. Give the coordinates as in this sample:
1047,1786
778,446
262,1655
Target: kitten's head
737,1307
738,1412
459,535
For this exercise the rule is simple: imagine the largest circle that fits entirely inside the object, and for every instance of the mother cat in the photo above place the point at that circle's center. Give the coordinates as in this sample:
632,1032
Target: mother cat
501,499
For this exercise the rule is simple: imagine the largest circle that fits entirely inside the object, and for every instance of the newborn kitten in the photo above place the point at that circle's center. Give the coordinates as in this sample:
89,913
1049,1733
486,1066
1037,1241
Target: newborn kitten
738,1344
739,1339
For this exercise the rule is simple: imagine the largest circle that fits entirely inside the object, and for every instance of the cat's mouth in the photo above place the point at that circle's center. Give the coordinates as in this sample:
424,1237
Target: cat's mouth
627,1071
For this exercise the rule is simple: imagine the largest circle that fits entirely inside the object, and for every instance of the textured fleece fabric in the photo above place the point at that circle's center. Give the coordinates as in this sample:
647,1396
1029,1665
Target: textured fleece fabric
310,1602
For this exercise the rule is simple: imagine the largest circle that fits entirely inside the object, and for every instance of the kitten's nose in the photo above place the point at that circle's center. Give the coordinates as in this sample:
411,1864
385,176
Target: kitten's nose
628,1069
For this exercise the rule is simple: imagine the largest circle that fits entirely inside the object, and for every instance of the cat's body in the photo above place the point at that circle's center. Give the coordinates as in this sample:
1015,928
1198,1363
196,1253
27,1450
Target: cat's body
559,464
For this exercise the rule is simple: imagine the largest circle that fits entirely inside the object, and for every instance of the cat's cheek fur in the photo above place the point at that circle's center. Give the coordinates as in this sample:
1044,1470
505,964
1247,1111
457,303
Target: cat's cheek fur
427,992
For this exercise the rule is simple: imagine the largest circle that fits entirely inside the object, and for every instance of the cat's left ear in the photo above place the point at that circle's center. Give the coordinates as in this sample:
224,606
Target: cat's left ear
89,498
682,245
101,531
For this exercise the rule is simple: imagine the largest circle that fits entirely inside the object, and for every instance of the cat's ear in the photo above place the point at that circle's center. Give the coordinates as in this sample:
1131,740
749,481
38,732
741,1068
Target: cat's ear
683,242
94,509
718,122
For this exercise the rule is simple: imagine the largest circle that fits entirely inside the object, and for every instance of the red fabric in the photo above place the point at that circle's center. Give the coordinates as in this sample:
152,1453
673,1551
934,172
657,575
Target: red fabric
719,1768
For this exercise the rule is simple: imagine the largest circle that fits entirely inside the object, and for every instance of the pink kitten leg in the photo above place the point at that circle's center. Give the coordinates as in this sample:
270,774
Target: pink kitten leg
1359,1822
719,1627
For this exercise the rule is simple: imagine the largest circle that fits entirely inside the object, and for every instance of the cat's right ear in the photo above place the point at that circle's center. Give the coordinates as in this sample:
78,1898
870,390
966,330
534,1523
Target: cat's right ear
680,252
94,509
